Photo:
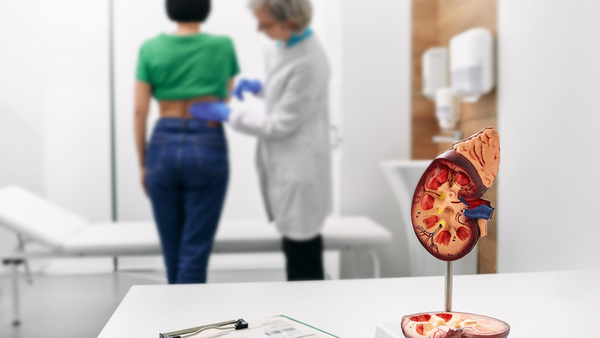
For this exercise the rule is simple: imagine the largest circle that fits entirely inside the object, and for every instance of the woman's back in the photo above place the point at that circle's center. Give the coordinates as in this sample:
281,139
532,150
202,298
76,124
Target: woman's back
183,69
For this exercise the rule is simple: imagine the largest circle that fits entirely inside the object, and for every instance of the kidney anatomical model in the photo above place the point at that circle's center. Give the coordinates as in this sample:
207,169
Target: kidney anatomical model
448,214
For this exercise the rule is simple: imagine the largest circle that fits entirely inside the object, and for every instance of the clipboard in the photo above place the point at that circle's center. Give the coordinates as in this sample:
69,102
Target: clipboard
272,327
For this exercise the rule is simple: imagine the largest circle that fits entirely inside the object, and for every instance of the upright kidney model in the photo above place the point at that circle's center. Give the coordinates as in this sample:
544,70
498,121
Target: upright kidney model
449,216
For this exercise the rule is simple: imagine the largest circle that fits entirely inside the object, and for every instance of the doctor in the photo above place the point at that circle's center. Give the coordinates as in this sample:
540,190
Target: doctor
293,155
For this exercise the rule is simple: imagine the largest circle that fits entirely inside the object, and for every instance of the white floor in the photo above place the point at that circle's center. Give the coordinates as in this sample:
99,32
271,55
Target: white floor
75,297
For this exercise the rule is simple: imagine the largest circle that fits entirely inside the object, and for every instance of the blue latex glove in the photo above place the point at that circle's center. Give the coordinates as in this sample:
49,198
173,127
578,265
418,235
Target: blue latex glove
210,111
252,86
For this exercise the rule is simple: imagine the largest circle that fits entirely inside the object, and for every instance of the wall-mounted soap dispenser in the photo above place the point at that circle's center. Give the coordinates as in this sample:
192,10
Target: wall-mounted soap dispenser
445,110
435,70
472,64
435,88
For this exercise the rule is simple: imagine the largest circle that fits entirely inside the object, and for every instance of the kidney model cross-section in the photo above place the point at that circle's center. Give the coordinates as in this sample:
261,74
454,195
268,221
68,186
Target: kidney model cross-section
449,216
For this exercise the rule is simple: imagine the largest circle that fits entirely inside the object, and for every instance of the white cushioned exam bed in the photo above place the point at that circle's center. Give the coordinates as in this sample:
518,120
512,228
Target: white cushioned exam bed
64,234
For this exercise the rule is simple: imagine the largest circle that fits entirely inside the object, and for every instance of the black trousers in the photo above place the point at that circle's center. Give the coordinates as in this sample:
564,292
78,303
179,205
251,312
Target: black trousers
304,259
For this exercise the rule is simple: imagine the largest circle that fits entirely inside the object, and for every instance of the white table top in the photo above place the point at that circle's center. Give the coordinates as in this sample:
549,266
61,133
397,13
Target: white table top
543,304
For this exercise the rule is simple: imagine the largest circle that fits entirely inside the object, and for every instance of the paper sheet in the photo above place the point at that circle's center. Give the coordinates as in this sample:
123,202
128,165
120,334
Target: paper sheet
272,327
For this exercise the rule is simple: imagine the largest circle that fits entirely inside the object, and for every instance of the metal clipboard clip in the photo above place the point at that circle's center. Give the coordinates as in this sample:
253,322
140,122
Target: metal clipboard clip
236,324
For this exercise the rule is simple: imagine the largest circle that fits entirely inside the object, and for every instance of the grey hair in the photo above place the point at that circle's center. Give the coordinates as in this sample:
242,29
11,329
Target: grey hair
298,11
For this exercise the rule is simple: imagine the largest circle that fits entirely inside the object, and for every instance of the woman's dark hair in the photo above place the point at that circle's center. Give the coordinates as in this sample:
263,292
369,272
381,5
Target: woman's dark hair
188,10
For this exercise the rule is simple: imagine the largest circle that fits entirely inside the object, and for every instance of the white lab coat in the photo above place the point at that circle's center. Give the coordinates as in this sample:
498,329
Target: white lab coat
293,155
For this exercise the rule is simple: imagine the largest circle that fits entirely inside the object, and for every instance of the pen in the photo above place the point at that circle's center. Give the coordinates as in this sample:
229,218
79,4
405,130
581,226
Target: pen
237,324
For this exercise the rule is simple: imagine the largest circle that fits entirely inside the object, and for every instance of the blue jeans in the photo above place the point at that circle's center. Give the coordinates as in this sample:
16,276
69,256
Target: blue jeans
187,171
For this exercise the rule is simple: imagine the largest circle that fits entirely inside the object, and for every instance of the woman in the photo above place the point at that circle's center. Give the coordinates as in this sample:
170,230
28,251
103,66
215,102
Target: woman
293,154
185,168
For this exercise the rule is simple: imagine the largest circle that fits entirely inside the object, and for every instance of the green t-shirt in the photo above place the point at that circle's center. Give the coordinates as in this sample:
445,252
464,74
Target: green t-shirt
180,67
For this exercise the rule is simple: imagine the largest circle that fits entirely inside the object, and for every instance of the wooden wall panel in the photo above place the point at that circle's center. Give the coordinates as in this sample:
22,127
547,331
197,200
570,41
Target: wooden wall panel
457,16
447,19
424,123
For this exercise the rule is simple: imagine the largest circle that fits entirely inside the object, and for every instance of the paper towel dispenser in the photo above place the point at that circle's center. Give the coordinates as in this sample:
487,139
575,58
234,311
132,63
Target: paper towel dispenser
435,70
472,64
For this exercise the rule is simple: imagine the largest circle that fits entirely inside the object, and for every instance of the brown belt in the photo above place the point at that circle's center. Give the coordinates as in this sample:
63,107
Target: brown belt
213,124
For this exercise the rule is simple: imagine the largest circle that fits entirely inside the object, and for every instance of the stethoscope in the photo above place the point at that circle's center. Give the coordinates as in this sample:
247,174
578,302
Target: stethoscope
236,324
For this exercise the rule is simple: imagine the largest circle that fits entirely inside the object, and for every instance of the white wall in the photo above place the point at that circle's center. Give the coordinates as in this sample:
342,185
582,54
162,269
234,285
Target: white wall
20,112
549,113
76,110
376,115
54,117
